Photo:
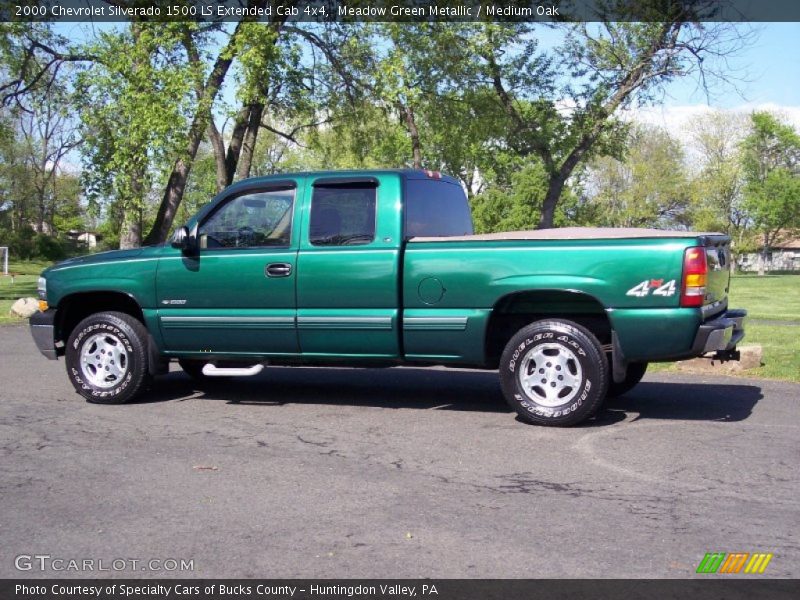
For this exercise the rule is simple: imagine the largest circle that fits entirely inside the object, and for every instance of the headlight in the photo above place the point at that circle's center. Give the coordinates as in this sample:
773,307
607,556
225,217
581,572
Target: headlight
41,288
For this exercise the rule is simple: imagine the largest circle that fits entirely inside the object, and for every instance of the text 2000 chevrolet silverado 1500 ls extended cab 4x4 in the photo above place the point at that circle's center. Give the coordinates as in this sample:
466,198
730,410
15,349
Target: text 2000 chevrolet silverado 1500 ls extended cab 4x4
380,268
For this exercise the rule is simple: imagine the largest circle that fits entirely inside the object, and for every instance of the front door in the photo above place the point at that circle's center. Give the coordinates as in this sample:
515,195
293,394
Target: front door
236,295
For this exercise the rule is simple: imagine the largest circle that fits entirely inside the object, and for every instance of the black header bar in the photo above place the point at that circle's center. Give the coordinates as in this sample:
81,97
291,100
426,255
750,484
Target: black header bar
542,11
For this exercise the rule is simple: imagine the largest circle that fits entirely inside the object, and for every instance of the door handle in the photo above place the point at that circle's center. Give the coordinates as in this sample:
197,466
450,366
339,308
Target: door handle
278,270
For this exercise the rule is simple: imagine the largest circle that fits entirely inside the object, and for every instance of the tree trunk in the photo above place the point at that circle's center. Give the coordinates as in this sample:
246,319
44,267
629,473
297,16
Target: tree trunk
171,200
249,142
130,235
554,188
42,212
235,145
762,261
218,145
413,132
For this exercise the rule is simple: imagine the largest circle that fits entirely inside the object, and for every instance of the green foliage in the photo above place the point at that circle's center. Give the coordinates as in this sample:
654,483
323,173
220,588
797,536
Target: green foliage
517,205
134,106
200,189
26,244
515,121
48,247
20,242
364,137
718,202
649,188
774,203
771,160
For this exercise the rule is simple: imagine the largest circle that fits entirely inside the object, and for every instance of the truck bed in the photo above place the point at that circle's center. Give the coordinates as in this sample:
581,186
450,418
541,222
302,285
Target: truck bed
570,233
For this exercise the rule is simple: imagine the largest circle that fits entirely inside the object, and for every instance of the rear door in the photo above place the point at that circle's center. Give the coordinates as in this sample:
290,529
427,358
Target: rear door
348,267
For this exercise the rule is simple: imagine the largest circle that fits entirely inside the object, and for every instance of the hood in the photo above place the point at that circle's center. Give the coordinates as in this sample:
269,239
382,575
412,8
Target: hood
100,257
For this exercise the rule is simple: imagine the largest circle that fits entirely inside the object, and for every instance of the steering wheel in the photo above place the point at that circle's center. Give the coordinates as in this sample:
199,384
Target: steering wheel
244,233
357,240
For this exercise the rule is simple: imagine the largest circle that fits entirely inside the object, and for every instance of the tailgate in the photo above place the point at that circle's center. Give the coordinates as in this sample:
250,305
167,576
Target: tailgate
718,256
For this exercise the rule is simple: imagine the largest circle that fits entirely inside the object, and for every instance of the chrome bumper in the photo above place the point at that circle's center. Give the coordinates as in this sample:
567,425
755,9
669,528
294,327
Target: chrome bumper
720,334
43,332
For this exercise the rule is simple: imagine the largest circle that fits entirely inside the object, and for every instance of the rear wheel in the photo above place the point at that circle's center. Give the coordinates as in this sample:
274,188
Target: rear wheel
106,358
553,372
634,375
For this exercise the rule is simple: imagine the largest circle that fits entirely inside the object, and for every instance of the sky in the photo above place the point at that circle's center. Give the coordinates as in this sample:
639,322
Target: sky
770,73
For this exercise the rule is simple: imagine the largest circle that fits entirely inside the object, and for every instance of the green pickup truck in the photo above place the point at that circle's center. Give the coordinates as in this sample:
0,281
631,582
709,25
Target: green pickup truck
381,268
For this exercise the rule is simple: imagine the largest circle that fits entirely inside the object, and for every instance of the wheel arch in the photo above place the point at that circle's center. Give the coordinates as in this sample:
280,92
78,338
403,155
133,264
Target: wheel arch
75,307
515,310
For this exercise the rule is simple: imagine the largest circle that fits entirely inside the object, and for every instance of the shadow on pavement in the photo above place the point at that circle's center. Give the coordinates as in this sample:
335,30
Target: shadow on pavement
683,401
387,388
449,390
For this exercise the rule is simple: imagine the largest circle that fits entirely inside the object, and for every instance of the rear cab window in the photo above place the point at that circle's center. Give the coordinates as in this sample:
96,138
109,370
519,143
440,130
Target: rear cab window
436,208
343,214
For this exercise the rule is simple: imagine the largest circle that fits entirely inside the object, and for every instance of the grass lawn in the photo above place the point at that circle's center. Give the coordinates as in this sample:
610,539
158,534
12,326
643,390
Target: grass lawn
26,275
771,297
768,298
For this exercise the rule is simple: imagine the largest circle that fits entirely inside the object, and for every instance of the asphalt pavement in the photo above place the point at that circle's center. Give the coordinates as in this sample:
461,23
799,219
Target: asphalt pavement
404,472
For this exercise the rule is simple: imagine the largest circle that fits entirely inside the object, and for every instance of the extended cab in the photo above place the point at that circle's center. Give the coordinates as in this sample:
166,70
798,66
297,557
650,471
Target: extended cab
380,268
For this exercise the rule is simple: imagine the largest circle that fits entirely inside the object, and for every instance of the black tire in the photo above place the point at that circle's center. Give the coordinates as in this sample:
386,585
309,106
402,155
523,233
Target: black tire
577,373
119,369
634,375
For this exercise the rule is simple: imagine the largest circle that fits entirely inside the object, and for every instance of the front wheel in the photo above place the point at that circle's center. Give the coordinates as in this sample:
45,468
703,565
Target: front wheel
106,358
553,372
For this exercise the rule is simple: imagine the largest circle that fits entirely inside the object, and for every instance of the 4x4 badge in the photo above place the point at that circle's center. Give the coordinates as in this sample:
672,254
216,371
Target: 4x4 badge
659,288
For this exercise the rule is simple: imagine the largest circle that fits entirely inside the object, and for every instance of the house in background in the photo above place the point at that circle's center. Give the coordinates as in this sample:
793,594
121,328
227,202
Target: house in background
87,239
784,256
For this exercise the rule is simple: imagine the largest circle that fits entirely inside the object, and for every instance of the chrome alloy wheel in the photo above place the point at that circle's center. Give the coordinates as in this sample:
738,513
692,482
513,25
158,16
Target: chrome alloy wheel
104,360
550,374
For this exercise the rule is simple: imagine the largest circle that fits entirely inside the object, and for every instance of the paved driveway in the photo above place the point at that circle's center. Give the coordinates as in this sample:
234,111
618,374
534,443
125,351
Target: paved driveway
392,473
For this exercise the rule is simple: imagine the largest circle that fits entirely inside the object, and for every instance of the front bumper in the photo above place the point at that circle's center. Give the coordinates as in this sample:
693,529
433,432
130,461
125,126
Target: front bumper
721,334
43,332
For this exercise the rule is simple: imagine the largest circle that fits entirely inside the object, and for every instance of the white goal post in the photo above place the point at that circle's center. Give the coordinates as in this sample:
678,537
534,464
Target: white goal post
4,251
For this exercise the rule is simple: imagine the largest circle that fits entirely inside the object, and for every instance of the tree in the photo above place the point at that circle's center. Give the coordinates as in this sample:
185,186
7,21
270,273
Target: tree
649,188
513,207
278,91
206,95
133,112
718,185
562,103
771,158
47,135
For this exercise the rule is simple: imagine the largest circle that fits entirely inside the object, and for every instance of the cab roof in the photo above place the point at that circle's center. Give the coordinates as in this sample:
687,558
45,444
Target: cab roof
350,173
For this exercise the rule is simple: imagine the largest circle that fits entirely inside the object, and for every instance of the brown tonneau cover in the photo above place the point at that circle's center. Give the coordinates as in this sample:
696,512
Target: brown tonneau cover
569,233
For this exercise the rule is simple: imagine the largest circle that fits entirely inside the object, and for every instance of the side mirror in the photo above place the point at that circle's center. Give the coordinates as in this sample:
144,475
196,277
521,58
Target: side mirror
183,240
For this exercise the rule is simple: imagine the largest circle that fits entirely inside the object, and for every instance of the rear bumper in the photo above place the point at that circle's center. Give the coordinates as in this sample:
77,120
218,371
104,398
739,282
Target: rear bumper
43,332
721,334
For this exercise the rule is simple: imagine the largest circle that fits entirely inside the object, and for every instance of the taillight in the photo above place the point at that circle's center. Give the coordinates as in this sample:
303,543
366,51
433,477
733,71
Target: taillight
695,274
